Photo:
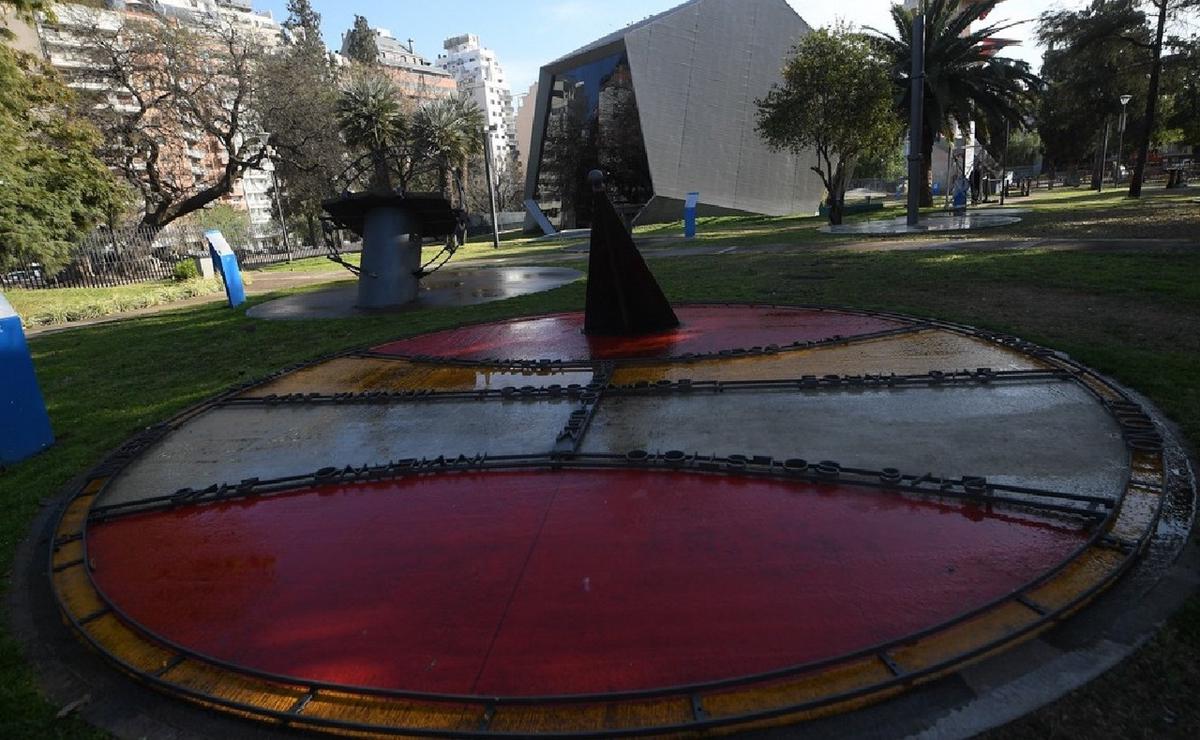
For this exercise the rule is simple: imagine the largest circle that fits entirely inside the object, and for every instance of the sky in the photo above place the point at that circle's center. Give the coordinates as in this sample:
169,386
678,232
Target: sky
529,33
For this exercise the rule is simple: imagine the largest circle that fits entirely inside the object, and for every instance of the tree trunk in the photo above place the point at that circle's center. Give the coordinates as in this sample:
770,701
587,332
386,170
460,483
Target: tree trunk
1139,169
837,210
837,195
311,221
928,134
382,176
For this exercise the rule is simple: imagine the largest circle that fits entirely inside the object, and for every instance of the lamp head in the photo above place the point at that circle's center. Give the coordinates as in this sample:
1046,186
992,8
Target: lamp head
1125,99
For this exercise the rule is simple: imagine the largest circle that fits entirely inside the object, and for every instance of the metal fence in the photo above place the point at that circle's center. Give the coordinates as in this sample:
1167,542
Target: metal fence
124,256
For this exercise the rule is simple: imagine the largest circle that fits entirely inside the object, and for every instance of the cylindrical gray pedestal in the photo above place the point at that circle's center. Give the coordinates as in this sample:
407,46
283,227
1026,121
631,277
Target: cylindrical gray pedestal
390,258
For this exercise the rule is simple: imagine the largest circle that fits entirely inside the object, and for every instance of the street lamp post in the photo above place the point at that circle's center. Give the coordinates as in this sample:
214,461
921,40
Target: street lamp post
1121,139
491,184
1004,164
1104,155
287,244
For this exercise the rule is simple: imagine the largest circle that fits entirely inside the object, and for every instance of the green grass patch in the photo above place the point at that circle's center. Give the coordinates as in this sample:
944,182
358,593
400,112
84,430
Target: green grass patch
64,305
311,264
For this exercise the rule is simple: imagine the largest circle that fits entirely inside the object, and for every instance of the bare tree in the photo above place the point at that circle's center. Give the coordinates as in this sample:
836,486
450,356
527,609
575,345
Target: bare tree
509,180
175,107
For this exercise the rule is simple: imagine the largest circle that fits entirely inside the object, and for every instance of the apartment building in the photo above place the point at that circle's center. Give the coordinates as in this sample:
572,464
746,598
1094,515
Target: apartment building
481,77
415,76
189,156
525,104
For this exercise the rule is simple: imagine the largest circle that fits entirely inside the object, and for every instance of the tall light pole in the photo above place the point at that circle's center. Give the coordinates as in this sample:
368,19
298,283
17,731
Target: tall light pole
1004,163
917,103
487,165
287,244
1121,139
1104,155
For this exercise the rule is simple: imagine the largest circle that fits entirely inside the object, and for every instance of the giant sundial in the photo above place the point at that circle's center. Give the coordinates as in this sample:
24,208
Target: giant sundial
763,515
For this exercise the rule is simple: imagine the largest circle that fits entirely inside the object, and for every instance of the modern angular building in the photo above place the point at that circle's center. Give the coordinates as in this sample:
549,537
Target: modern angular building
666,107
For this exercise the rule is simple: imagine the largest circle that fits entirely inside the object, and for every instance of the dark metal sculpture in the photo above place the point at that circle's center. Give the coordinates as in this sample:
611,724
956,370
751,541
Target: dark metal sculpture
393,224
623,298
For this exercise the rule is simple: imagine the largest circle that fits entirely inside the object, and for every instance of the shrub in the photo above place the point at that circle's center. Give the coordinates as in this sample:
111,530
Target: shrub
185,270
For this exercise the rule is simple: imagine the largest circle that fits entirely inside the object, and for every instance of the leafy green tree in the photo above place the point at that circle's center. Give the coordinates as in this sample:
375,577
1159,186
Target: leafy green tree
232,222
53,189
305,25
1114,23
448,131
836,103
891,164
1093,57
360,43
1183,83
25,10
965,82
1162,9
1023,149
297,99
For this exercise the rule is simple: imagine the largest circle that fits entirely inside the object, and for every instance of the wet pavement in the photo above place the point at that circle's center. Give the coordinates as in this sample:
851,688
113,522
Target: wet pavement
971,221
702,330
558,583
449,287
1044,436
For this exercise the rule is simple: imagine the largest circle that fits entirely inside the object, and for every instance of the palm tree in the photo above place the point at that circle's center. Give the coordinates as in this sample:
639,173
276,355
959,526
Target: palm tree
964,81
448,131
371,117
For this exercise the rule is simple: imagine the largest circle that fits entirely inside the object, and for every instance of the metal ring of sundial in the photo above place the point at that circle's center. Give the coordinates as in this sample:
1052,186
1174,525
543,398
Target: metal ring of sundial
766,515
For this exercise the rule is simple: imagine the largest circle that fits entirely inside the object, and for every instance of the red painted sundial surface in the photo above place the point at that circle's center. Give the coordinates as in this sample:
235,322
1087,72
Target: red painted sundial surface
550,583
703,329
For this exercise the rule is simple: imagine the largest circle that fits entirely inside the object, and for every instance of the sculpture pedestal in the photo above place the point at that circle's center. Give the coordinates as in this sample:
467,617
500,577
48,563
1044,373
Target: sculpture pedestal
392,227
391,257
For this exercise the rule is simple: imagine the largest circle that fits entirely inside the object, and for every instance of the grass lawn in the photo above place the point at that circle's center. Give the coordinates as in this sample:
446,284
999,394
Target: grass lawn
63,305
1062,213
1131,312
1058,214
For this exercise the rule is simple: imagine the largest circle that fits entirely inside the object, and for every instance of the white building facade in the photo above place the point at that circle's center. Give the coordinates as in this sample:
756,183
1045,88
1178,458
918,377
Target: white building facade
481,77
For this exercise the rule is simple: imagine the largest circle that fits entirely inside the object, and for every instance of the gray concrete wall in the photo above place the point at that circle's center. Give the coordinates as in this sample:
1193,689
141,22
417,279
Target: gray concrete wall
697,73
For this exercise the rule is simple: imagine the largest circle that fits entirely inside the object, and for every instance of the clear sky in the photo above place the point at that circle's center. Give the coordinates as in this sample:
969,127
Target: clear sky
529,33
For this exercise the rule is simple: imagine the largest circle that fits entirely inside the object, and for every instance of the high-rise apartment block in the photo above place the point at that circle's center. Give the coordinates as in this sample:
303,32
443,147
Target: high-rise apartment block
417,78
189,156
480,77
